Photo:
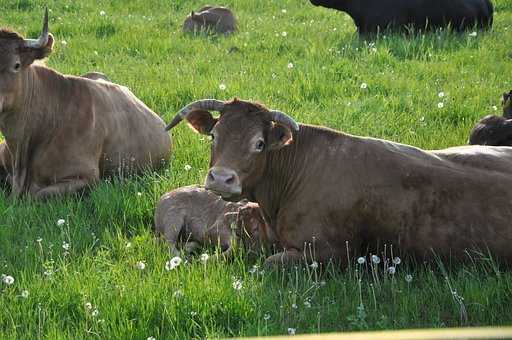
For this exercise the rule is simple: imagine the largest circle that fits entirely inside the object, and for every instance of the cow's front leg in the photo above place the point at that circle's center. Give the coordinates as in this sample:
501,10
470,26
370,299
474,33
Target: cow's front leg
62,188
5,165
287,258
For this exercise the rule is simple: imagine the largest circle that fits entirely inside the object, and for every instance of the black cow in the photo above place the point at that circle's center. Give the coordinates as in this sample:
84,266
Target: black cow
495,130
373,16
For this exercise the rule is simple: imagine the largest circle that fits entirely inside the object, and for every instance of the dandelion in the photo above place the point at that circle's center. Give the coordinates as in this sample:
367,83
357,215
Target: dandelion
440,94
178,294
290,66
187,167
237,284
408,278
307,304
65,246
284,34
294,306
361,260
103,13
364,86
48,273
222,86
266,317
283,10
64,43
140,265
128,244
96,53
274,76
95,313
173,263
422,119
88,305
392,270
8,279
254,269
139,194
204,257
60,222
375,259
495,108
291,331
39,240
314,265
374,49
151,338
440,105
473,34
397,261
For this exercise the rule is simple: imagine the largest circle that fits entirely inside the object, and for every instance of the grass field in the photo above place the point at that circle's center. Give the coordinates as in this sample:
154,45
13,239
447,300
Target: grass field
80,278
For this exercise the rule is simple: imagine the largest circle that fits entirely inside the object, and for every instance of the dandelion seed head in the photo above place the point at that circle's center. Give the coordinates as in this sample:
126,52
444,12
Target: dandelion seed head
173,263
364,86
290,65
65,246
294,306
95,313
440,94
291,331
187,167
361,260
408,278
392,270
314,265
25,294
204,257
103,13
397,261
222,86
266,317
473,34
61,222
237,284
440,105
375,259
8,279
284,34
140,265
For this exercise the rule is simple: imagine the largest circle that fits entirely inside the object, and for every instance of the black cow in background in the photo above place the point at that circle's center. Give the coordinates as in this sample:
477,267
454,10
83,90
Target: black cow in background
373,16
495,130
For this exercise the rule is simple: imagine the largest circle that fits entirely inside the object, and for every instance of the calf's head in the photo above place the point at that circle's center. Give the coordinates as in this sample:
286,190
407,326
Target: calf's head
16,55
507,105
243,138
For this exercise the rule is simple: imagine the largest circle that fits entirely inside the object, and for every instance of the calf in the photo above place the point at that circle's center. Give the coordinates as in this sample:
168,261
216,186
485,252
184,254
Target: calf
495,130
211,19
372,16
63,133
323,188
195,217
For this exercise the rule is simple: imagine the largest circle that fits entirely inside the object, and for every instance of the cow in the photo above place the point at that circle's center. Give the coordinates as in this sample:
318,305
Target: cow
374,16
196,217
213,19
63,133
495,130
320,189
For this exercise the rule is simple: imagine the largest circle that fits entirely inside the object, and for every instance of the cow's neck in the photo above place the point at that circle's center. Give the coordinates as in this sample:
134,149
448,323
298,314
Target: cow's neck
32,118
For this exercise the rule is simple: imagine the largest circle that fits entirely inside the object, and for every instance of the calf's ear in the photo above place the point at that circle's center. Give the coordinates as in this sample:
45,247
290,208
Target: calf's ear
279,136
201,121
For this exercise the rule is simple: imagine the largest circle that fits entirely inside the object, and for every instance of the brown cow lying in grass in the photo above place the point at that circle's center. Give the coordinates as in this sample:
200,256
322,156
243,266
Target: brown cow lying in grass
212,19
495,130
323,187
62,133
196,217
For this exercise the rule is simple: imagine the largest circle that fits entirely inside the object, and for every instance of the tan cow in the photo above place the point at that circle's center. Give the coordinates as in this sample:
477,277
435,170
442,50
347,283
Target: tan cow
494,130
213,19
195,217
62,133
322,187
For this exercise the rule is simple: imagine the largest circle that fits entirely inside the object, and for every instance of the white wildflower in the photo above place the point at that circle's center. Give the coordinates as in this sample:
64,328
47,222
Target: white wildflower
65,246
25,294
128,244
204,257
440,105
364,86
8,279
361,260
139,194
307,304
473,34
392,270
173,263
375,259
151,338
103,13
237,284
222,86
95,313
290,65
140,265
408,278
60,222
495,108
254,269
397,261
283,10
178,294
64,43
266,317
440,94
284,34
314,265
88,305
39,240
294,306
187,167
291,331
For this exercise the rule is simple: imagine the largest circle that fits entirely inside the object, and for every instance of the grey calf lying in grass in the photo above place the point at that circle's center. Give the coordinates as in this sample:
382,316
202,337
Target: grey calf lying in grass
213,19
495,130
195,217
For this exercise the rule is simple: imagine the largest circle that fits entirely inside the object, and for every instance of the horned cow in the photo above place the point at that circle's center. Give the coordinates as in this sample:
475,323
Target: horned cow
495,130
319,188
213,19
62,133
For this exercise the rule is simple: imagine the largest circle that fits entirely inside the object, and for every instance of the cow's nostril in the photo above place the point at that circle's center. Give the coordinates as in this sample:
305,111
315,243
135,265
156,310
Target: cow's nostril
230,180
211,177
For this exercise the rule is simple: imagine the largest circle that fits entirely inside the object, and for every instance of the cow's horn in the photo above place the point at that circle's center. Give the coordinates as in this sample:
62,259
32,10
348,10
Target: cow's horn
203,104
284,119
43,38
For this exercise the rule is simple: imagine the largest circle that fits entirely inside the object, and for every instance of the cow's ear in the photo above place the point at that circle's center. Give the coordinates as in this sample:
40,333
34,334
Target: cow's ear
29,54
279,136
202,121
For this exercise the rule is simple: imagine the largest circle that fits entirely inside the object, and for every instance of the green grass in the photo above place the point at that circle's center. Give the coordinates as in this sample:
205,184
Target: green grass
140,44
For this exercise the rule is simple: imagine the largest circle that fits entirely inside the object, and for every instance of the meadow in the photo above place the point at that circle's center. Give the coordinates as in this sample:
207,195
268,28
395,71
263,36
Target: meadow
99,272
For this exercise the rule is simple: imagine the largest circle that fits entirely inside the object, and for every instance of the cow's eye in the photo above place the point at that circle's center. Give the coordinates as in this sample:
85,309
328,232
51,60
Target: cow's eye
17,67
260,145
212,137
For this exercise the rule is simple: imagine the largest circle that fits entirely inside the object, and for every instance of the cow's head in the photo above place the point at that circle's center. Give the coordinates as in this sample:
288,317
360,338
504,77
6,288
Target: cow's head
243,137
507,105
16,55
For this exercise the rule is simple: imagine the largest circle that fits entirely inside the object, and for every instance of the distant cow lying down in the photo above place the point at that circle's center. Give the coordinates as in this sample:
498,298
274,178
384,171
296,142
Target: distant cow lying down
214,19
320,187
373,16
62,133
194,217
495,130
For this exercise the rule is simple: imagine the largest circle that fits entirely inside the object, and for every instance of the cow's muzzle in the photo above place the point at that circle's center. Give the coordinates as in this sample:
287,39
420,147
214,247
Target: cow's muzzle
224,182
